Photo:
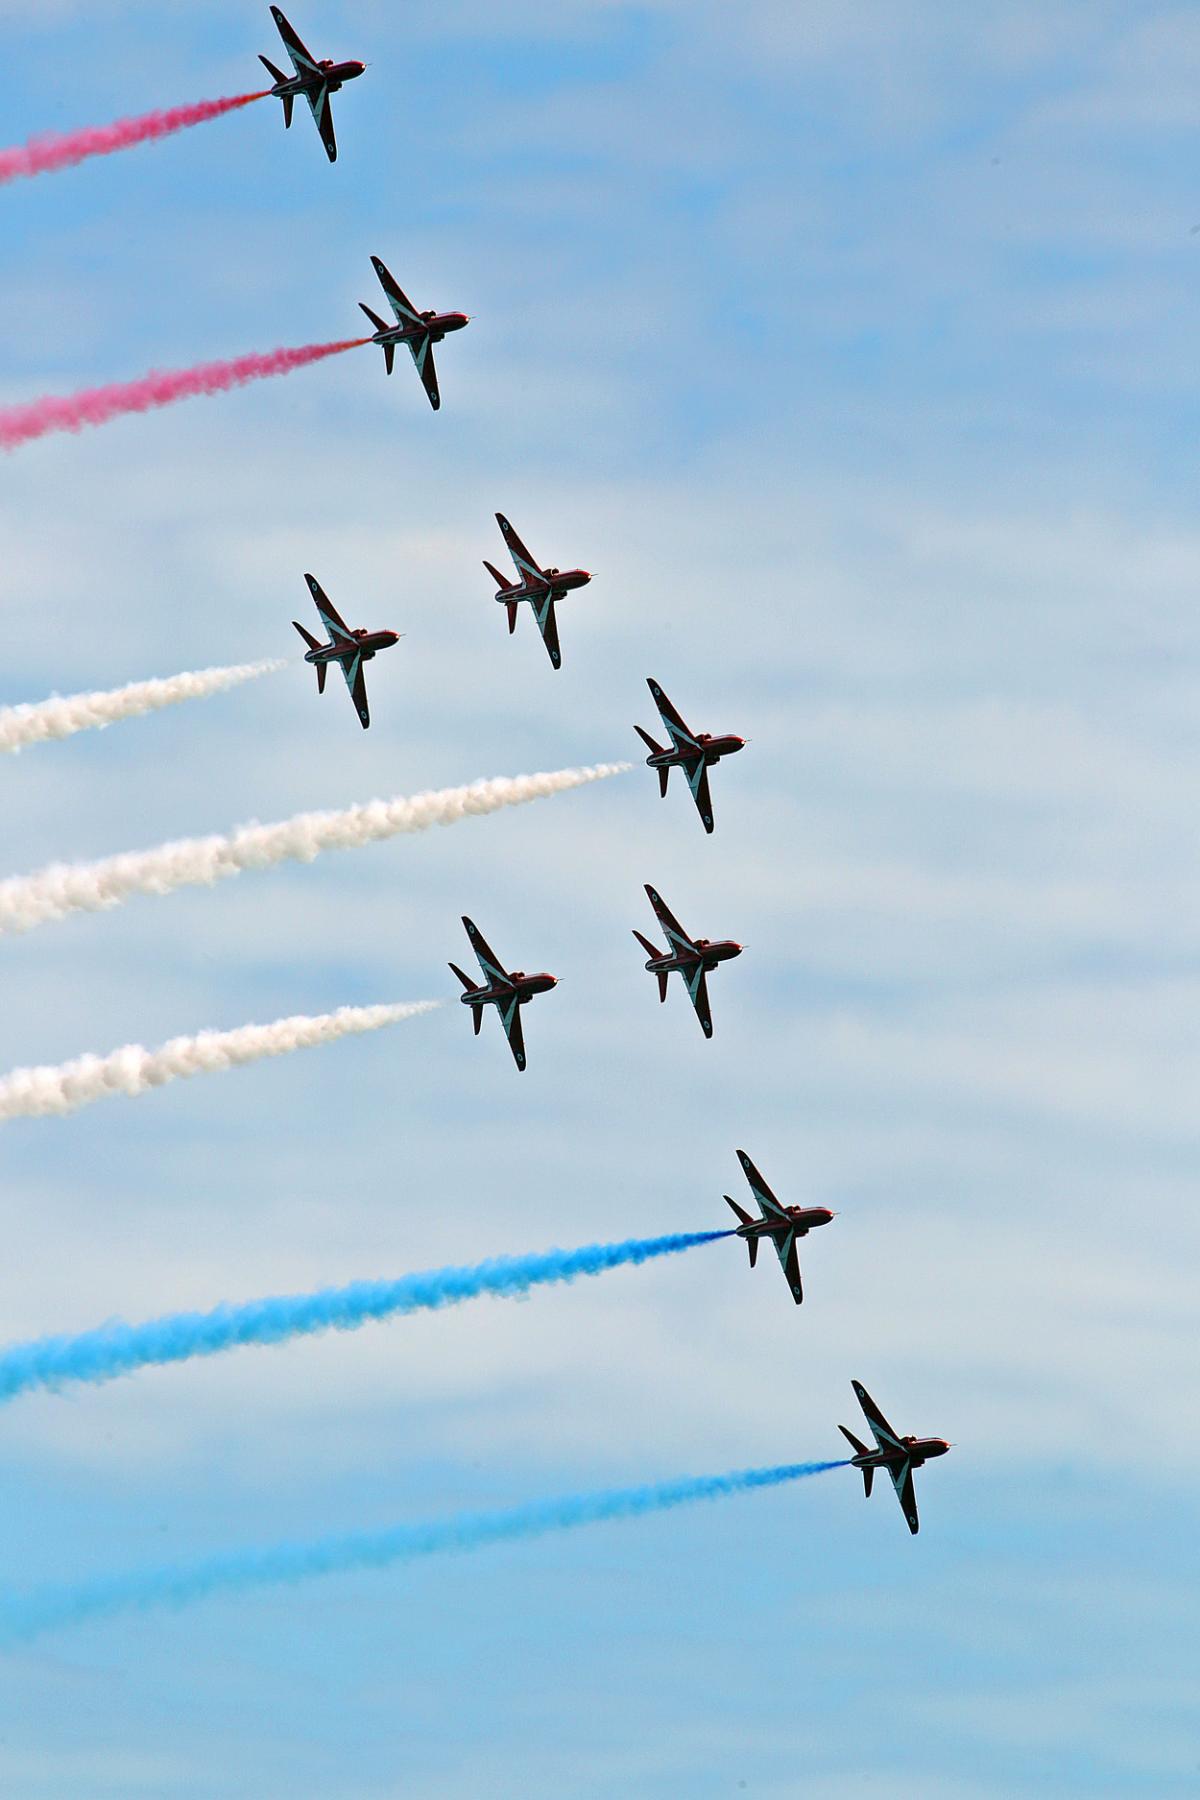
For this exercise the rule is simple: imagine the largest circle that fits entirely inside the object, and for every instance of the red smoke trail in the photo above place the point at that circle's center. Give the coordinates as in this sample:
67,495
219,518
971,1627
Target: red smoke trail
54,150
96,406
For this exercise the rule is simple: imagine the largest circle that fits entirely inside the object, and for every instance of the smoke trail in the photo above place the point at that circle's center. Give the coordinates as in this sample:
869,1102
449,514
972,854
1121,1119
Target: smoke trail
62,888
118,1349
34,1093
62,716
96,406
49,151
183,1584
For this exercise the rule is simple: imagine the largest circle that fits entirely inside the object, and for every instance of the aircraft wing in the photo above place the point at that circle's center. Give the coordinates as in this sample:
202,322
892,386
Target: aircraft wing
677,731
697,988
422,355
884,1436
322,112
768,1205
677,937
484,954
526,568
328,612
406,313
303,61
902,1481
510,1018
696,770
547,624
789,1262
356,681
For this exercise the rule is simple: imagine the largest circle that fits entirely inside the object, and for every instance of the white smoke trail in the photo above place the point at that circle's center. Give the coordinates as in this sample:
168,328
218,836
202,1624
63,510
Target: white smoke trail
63,715
62,888
33,1093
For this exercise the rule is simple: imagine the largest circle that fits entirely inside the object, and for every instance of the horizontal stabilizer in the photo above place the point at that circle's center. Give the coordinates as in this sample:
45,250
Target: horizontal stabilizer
272,71
868,1475
501,581
388,348
465,979
511,609
309,639
742,1215
655,749
662,985
647,946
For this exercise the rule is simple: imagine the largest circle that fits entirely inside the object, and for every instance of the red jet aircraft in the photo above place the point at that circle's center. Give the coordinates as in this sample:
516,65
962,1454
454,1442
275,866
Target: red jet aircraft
313,81
417,331
693,752
506,990
898,1455
349,649
782,1224
541,587
691,958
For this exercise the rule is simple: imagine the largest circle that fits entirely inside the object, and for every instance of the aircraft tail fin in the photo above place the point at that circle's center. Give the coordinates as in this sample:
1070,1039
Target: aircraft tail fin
752,1242
655,750
322,668
500,580
511,609
476,1011
389,349
662,986
647,946
868,1475
277,75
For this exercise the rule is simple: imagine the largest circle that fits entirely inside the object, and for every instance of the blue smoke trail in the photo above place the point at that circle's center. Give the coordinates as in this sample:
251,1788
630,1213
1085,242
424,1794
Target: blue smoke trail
48,1609
117,1349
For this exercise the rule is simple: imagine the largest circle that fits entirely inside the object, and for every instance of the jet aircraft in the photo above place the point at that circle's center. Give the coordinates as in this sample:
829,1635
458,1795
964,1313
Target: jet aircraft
313,81
782,1224
349,649
417,331
898,1455
693,752
691,958
541,587
506,990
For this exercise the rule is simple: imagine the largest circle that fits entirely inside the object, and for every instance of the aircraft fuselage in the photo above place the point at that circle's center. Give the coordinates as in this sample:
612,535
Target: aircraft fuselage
523,986
706,953
711,748
555,582
800,1220
366,643
433,326
916,1451
332,76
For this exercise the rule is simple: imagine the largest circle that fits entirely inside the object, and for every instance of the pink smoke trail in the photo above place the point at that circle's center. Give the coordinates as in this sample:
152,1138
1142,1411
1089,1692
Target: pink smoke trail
59,150
96,406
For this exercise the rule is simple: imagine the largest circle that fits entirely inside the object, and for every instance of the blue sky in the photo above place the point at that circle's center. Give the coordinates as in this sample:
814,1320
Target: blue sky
857,355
